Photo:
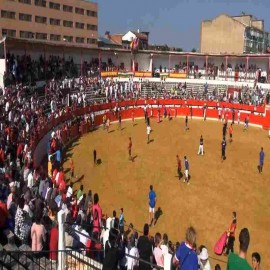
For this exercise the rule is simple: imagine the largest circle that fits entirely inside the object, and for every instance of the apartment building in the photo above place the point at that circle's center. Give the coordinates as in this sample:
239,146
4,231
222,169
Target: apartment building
234,35
72,22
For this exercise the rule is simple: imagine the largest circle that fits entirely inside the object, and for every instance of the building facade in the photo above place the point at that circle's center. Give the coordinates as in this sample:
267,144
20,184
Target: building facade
234,35
57,21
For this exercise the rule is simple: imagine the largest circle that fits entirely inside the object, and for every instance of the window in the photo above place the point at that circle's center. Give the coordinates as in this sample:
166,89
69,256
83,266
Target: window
39,19
42,36
7,14
26,34
40,3
79,11
55,37
91,13
54,21
8,32
92,41
53,5
68,23
92,27
25,17
25,2
79,25
67,8
79,40
68,38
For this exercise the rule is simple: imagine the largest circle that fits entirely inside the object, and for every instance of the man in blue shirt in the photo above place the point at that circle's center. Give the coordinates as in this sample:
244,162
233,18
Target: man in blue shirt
121,221
186,170
261,160
152,203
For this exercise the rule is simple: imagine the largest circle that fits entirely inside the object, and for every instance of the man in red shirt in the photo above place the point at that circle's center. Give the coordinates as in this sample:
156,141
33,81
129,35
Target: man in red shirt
179,167
54,242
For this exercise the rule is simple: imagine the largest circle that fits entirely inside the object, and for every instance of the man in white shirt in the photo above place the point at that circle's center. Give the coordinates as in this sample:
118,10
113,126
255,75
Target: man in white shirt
148,131
131,262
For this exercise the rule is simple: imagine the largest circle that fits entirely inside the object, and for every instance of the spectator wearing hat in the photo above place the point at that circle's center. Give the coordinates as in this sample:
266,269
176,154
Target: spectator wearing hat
239,261
256,261
203,257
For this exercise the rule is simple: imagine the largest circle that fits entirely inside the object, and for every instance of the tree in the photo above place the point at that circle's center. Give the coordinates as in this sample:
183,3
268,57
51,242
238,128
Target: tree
179,49
193,50
165,48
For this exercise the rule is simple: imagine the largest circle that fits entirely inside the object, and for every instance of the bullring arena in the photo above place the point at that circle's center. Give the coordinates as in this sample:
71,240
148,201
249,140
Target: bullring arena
66,117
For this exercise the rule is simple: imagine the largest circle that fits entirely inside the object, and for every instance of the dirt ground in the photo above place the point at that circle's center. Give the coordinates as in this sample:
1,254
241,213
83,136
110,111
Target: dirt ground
216,188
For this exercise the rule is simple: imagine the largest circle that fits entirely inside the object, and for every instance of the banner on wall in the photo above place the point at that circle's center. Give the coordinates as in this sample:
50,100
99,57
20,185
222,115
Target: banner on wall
109,74
125,74
143,74
180,75
164,74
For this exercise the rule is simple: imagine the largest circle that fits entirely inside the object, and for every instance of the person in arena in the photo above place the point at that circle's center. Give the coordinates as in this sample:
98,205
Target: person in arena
261,161
148,131
95,156
179,167
231,235
223,149
186,123
186,170
129,148
152,198
200,151
231,132
238,261
186,256
256,261
119,120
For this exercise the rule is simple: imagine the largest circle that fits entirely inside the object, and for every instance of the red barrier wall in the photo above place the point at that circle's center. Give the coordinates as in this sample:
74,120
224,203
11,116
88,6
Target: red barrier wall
180,108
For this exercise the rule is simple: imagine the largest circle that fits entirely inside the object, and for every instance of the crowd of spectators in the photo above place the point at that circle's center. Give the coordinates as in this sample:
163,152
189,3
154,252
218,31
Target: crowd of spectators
26,70
30,196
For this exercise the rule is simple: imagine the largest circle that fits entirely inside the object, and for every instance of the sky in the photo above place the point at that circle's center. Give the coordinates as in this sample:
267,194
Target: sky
173,22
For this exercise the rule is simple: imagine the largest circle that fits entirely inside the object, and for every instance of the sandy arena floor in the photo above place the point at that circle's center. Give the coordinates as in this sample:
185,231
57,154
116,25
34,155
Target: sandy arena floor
216,188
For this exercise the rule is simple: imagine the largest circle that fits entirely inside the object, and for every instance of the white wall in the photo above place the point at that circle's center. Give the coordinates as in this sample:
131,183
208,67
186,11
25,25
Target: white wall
2,72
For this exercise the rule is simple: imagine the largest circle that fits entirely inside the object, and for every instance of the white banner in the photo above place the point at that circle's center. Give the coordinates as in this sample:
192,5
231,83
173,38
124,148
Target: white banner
3,40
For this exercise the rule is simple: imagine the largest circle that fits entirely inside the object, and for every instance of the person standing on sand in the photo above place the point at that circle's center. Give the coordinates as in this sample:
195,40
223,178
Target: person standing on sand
129,148
95,156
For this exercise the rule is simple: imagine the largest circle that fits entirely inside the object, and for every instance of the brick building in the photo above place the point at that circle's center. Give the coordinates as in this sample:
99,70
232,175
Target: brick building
234,34
57,21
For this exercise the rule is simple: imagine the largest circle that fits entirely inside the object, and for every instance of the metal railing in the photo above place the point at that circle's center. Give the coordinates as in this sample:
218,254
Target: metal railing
47,260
